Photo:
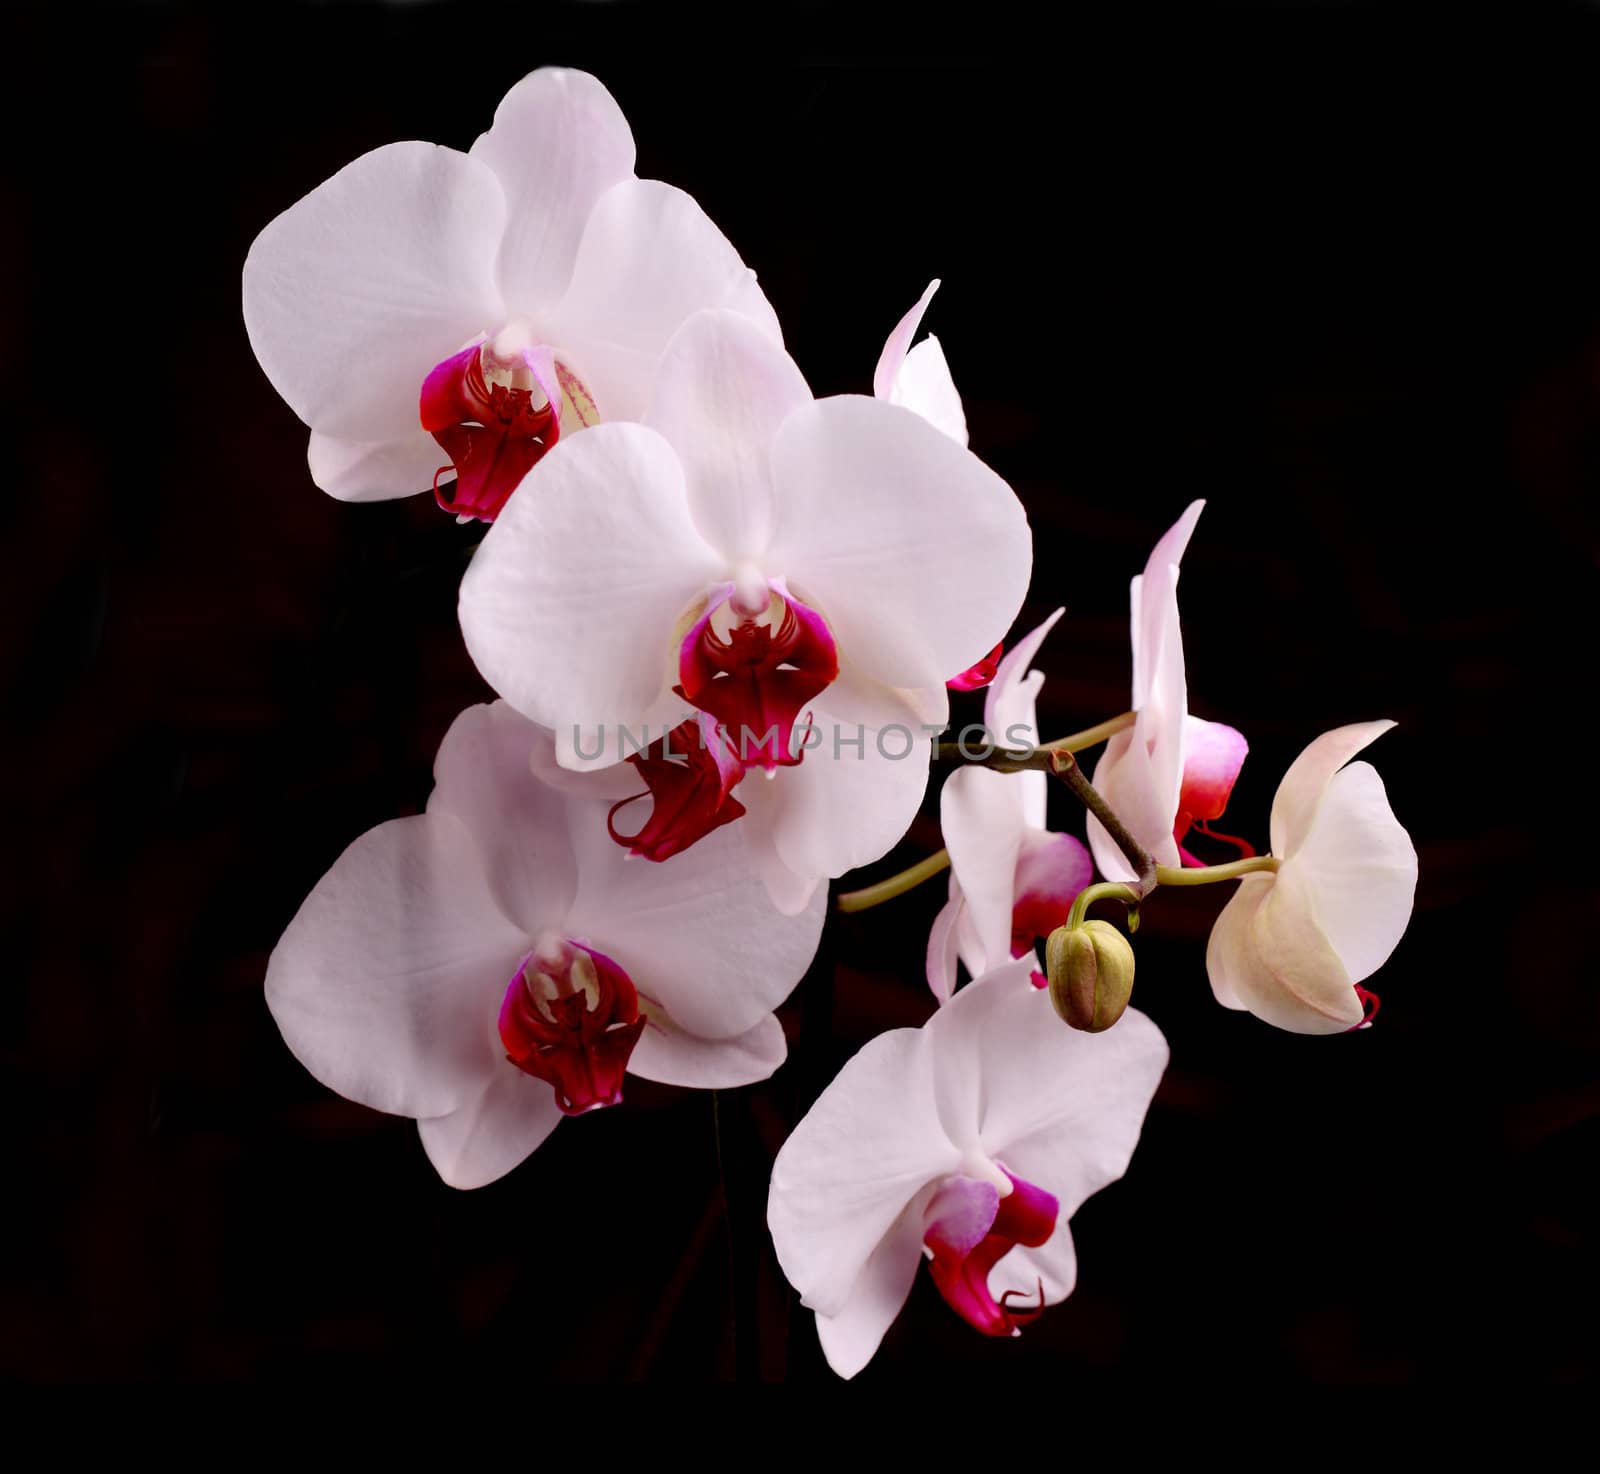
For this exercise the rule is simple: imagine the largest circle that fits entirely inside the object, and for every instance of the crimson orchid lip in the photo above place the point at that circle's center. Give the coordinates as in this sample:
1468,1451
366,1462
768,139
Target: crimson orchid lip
570,1017
971,1229
976,677
689,775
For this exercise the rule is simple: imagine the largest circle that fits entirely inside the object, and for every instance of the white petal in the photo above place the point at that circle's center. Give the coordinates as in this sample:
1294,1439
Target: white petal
868,1146
1125,777
354,294
1053,1266
569,607
367,471
1011,714
494,1131
674,1057
898,345
942,949
1300,794
483,775
1230,936
926,388
980,812
387,983
558,143
913,550
850,1338
1360,868
650,259
696,933
723,389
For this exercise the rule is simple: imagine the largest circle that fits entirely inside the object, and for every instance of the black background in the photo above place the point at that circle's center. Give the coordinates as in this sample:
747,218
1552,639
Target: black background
1335,268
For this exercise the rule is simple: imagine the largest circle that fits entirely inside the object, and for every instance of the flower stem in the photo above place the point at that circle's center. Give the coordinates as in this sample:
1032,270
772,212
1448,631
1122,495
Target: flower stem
1065,767
1091,735
1211,874
1104,890
896,885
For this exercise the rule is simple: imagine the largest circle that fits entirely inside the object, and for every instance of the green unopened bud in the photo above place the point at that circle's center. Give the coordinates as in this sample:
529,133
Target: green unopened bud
1091,974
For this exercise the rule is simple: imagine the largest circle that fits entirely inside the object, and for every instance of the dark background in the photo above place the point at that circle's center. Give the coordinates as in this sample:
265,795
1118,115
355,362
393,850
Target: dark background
1335,268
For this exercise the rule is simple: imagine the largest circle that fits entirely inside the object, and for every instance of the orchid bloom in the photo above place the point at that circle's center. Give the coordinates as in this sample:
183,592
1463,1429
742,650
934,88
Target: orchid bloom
1170,770
429,312
1011,879
805,572
970,1141
496,962
1293,945
919,378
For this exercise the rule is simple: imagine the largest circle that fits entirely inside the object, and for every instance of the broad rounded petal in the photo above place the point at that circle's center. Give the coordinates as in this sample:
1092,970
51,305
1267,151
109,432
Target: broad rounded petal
869,1145
1300,794
1227,947
790,892
1283,967
1011,714
1125,778
487,1136
558,143
926,388
854,794
355,293
1212,756
915,552
980,812
898,345
942,948
367,471
852,1337
650,259
1361,868
723,389
696,933
484,775
1060,1108
387,982
674,1057
570,605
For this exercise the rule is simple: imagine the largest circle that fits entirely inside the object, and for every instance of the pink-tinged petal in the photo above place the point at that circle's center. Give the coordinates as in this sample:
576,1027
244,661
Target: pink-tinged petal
1212,756
1359,865
386,982
976,677
1056,1106
723,388
913,550
846,805
753,671
1051,870
697,934
1010,713
789,891
980,812
568,607
558,143
942,947
688,776
483,775
650,260
494,1131
1228,949
851,1338
1125,778
673,1056
1300,794
353,294
1289,973
869,1145
368,471
926,388
898,345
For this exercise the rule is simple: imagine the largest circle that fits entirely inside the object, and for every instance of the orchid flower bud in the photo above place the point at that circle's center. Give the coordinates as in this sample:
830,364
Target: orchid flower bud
1091,974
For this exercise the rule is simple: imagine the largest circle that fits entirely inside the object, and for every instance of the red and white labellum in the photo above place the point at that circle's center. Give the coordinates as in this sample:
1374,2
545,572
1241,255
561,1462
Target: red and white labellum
1213,753
688,775
753,660
496,408
968,1228
571,1017
1051,870
976,677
